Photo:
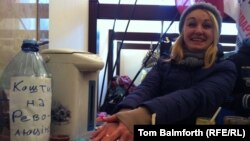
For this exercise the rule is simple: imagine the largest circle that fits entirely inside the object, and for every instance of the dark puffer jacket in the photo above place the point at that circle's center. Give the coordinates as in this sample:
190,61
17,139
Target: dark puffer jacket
178,95
239,101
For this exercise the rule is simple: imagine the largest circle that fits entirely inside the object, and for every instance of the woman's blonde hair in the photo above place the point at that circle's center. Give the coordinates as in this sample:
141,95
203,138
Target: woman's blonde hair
210,54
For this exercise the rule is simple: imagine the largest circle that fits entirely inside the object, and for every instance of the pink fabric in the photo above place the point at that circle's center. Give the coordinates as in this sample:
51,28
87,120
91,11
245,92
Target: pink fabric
183,4
125,81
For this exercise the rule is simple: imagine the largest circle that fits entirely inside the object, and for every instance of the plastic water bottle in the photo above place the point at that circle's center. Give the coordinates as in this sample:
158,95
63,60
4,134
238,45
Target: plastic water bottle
25,96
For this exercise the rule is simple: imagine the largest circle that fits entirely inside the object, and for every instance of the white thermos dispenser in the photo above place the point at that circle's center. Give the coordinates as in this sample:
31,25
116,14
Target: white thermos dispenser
74,86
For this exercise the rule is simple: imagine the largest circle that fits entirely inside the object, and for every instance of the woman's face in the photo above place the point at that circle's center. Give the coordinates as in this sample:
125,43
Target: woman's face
198,31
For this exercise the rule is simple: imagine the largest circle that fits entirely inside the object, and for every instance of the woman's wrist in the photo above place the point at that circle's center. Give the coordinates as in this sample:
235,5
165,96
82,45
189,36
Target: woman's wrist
133,117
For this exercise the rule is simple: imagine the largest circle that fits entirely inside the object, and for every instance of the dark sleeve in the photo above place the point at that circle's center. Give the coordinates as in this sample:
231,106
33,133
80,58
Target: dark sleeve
147,90
201,99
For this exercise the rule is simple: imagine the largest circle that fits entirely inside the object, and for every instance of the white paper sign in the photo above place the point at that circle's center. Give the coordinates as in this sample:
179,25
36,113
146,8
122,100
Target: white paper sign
30,108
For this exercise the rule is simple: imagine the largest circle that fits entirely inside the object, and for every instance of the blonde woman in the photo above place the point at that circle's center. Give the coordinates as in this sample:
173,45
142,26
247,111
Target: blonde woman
192,83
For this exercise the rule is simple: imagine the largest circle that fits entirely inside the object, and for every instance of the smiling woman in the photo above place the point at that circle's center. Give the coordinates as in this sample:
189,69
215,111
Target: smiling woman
193,81
147,19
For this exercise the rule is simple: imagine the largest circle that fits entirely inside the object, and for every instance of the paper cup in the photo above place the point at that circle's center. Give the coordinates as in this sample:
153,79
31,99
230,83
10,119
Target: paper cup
236,120
204,121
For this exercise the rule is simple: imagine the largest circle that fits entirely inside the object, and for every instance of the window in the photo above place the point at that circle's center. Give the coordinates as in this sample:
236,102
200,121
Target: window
19,20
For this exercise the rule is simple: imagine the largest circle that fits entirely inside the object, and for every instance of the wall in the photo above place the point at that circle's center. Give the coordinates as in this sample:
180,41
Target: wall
68,27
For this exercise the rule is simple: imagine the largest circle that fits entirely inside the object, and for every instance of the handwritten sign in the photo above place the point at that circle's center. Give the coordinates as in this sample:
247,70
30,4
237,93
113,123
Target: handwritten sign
30,108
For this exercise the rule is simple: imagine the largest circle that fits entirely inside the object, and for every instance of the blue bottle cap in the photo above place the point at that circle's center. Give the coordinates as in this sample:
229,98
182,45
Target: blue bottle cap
30,45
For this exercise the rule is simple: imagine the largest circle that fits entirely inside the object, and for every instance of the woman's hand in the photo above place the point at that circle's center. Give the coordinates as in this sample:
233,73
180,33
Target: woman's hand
112,130
104,131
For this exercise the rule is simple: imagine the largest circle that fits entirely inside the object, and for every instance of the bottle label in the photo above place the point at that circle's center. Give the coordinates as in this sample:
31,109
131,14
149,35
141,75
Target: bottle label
30,108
